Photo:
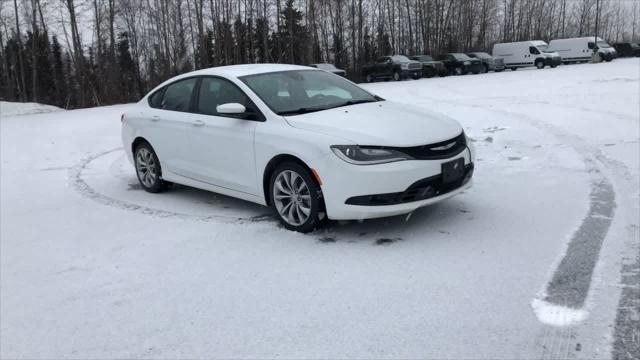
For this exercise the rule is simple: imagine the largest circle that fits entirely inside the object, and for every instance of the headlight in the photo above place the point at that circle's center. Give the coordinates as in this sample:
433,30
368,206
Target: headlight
357,155
467,62
404,66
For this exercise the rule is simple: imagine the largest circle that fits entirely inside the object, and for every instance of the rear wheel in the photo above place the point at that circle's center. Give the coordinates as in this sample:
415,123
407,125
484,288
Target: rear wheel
369,78
396,76
485,68
148,169
458,71
297,198
514,68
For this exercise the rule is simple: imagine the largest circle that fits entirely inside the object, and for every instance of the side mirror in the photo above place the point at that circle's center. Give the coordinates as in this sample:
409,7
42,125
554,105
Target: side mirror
231,108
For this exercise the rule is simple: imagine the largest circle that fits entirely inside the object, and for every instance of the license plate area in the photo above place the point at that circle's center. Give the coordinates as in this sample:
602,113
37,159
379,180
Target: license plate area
452,171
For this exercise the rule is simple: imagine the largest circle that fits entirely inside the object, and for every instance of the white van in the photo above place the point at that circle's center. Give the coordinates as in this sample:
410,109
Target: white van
526,53
580,49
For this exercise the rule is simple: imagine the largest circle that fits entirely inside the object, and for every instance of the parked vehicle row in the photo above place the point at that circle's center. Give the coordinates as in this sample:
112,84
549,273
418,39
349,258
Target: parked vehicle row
512,55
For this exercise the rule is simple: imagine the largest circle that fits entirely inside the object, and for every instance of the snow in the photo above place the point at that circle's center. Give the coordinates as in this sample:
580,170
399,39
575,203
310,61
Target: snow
93,267
8,109
557,315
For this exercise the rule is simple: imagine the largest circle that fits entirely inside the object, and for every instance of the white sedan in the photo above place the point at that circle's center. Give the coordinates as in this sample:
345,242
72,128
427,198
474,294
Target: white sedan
308,143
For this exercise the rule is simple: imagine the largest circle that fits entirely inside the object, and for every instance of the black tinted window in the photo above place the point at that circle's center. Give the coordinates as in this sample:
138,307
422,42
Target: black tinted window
216,91
155,100
177,96
533,50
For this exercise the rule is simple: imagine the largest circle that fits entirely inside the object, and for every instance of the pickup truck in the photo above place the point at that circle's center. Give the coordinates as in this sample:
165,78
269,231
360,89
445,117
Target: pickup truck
461,64
430,67
489,62
396,67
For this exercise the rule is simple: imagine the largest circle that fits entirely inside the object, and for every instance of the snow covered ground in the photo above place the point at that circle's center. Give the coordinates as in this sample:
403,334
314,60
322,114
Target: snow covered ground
8,109
526,264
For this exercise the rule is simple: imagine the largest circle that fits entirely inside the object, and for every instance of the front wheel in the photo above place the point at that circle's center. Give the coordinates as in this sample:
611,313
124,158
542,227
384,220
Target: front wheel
369,78
458,71
296,198
540,64
148,169
514,68
396,76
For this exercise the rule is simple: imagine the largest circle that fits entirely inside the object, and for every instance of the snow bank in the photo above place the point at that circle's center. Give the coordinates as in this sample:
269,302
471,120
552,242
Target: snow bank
557,315
16,108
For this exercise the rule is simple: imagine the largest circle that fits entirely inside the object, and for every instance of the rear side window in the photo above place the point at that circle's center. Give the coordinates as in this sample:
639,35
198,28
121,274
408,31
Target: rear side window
155,100
177,96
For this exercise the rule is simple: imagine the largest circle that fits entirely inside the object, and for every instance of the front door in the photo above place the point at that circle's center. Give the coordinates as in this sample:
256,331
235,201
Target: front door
221,148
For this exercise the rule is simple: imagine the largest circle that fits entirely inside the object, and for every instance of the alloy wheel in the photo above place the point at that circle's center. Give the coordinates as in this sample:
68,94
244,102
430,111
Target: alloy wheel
292,198
146,167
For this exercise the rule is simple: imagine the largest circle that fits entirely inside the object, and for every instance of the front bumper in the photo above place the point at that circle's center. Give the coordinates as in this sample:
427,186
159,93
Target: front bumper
553,61
344,182
414,73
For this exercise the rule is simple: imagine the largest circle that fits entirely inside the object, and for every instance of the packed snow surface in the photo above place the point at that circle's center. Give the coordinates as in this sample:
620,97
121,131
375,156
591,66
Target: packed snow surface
94,267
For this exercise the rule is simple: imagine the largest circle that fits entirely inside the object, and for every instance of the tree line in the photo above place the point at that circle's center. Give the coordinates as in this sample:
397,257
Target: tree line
82,53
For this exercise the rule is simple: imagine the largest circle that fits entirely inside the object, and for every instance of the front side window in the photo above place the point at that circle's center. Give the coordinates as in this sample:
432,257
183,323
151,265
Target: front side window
533,50
217,91
155,100
302,91
177,96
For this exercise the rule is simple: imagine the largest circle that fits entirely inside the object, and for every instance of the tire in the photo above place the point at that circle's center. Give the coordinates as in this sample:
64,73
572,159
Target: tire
498,70
428,73
514,68
540,64
148,169
369,78
485,68
397,76
553,66
292,189
458,71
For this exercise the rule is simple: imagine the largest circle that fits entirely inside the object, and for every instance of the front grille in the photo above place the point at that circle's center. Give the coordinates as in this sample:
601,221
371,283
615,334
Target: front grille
420,190
436,151
415,66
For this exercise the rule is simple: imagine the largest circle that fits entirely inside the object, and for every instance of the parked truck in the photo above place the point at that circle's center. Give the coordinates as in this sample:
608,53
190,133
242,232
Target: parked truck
526,53
396,67
574,50
430,67
461,64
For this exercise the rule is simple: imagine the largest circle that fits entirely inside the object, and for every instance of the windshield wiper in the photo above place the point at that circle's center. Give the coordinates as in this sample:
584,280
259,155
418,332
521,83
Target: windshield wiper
302,110
354,102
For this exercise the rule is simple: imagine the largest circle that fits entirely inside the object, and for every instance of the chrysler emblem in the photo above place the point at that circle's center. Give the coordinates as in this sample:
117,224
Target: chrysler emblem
444,147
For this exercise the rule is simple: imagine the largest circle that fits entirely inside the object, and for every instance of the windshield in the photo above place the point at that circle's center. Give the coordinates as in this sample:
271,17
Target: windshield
325,66
603,44
423,58
482,55
460,56
302,91
400,58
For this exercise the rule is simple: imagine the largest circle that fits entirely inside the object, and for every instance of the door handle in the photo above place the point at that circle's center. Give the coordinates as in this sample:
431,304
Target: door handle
155,118
198,123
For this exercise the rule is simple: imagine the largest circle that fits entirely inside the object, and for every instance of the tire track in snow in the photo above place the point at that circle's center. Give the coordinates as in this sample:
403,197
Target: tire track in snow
77,182
565,299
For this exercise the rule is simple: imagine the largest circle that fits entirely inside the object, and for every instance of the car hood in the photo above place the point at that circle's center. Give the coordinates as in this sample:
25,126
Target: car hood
382,123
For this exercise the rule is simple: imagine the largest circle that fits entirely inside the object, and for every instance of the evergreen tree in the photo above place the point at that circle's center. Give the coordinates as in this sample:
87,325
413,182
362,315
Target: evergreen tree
59,79
126,69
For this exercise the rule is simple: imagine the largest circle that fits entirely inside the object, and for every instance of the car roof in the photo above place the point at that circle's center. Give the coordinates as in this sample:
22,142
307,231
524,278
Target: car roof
243,70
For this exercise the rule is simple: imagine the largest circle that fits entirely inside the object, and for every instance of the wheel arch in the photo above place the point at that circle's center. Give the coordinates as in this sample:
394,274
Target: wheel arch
137,141
272,165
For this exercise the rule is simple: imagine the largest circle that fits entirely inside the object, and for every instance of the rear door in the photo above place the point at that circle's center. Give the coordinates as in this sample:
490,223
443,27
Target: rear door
167,121
221,148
